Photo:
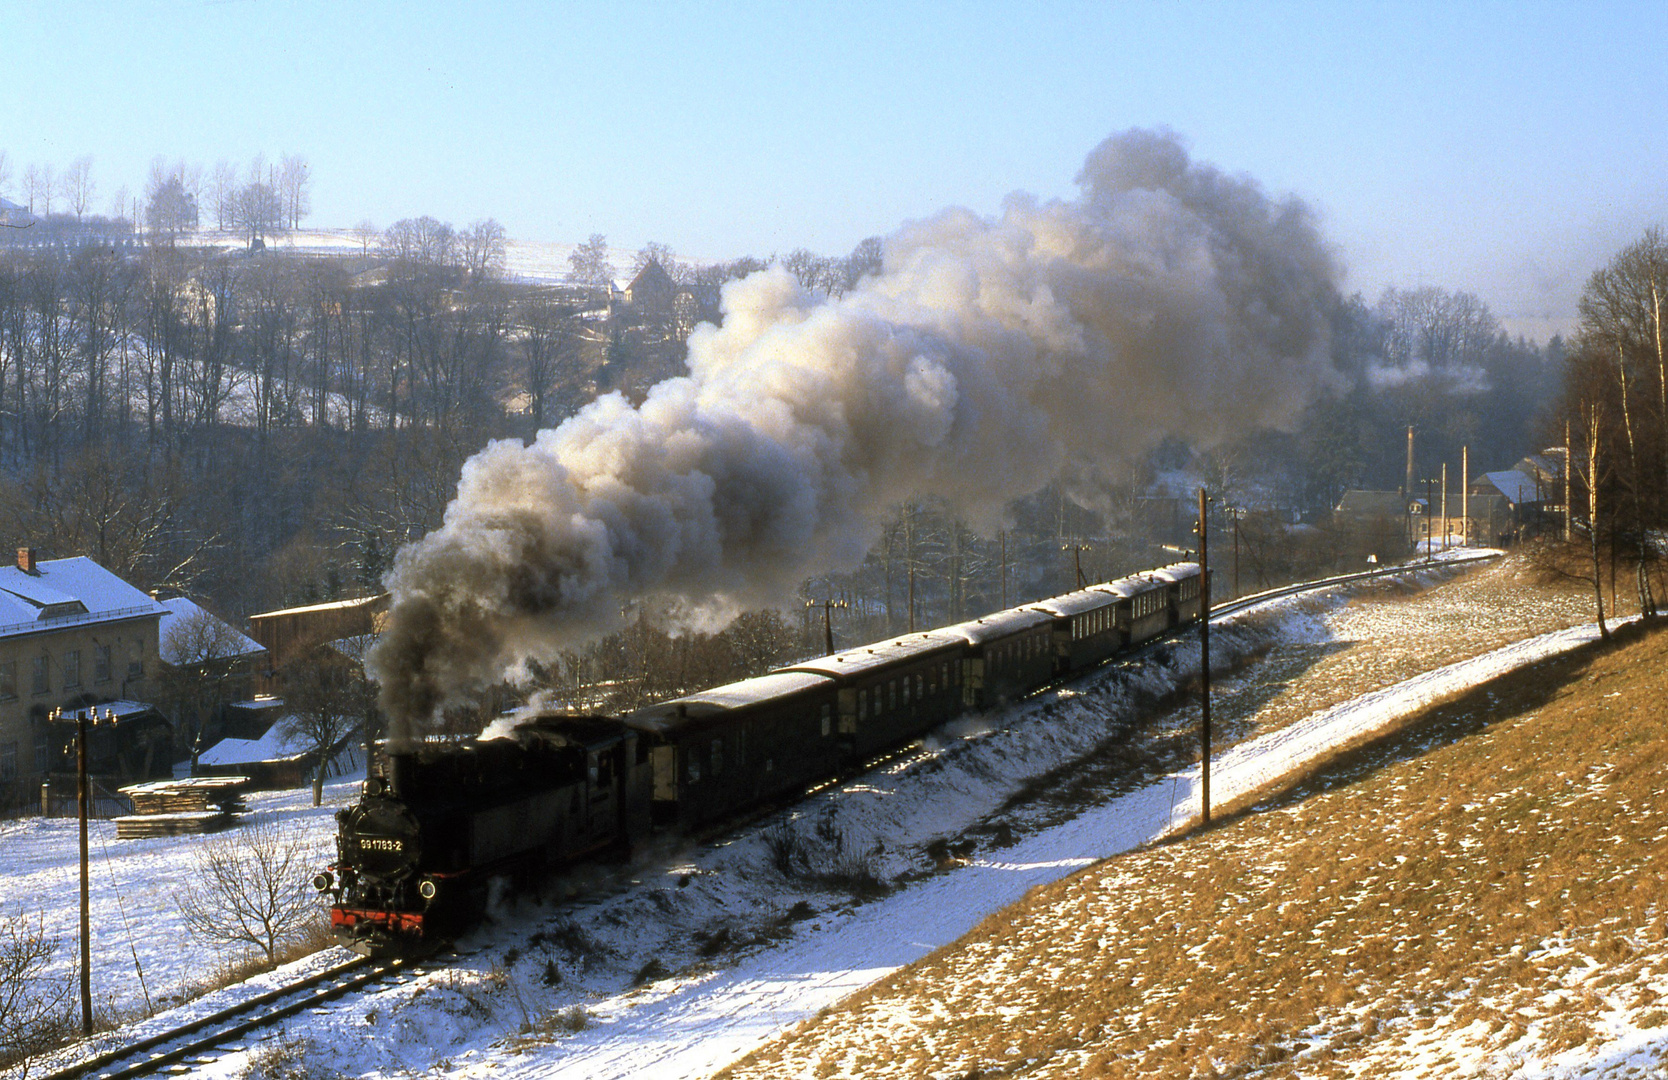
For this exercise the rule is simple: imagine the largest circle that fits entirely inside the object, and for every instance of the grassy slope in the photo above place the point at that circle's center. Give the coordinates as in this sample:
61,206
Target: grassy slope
1480,886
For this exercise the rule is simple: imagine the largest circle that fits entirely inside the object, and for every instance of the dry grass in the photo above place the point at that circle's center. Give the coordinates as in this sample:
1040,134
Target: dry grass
1488,873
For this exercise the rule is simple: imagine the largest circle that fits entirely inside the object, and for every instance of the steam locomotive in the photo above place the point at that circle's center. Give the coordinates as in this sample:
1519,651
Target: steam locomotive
416,853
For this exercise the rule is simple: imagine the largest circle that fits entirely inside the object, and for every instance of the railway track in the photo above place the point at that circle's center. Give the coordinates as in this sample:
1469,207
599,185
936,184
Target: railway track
1242,603
206,1038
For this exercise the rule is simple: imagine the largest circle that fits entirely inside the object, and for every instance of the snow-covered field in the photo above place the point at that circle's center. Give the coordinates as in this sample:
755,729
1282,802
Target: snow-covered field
689,959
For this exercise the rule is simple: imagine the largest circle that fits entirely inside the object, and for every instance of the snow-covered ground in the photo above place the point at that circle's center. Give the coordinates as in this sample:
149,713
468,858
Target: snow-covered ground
688,959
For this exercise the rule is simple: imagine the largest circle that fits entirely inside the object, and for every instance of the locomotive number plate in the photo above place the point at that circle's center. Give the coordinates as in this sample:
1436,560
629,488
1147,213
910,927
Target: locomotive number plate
395,846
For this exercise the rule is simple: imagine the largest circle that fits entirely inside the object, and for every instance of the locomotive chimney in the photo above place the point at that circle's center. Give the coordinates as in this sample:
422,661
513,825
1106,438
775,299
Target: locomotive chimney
400,761
26,561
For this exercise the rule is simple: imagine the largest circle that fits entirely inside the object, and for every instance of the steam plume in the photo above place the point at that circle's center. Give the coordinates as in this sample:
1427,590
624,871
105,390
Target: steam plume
987,357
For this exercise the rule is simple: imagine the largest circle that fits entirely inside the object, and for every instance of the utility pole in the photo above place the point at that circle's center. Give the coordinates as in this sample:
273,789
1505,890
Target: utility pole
83,721
1077,551
1204,659
1465,495
1444,506
828,607
1428,482
1004,538
912,596
1566,481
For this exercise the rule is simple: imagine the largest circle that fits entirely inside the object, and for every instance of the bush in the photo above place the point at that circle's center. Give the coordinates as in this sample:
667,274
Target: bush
35,1011
288,1059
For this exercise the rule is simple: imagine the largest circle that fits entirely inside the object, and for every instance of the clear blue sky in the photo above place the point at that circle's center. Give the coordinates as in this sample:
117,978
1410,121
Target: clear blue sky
1507,149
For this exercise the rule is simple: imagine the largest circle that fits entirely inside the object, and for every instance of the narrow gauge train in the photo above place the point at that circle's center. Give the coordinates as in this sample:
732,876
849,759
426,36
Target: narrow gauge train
416,853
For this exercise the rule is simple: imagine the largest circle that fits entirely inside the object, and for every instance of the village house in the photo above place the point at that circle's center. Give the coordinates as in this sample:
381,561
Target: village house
73,636
291,632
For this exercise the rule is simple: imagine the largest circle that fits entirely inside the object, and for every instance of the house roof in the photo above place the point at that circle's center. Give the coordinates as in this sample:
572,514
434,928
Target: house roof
67,592
1388,504
180,610
335,605
1516,486
276,745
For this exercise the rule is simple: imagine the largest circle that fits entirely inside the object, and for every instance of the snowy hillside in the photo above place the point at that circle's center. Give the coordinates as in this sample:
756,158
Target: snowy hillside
689,959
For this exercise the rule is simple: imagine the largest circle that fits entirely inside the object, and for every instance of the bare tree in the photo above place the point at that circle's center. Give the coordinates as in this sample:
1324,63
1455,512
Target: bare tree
250,888
37,188
481,247
78,185
170,207
367,234
33,1006
223,193
655,251
325,692
201,654
295,179
590,262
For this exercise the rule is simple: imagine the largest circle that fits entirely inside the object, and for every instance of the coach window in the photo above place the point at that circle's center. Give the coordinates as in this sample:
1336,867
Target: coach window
828,716
694,768
920,681
906,691
891,694
717,756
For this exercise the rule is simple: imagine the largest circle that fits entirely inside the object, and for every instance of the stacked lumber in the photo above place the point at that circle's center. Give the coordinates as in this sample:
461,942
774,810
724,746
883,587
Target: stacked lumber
193,795
201,804
137,826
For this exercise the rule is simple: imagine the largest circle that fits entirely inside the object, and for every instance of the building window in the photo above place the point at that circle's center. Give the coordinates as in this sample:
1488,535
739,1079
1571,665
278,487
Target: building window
42,682
8,680
72,668
8,761
101,664
135,661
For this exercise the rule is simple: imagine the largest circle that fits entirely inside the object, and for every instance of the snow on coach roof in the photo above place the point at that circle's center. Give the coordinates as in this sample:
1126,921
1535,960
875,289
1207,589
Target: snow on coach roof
880,653
1177,571
722,699
1000,624
1075,603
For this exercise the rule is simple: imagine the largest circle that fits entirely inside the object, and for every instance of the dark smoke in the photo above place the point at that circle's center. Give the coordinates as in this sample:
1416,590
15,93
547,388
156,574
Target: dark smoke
987,357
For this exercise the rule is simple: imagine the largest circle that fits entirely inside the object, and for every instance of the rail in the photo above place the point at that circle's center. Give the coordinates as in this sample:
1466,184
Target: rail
207,1032
1242,603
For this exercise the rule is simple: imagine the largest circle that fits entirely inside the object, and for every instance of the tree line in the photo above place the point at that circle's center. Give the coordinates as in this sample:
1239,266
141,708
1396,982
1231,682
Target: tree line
1612,427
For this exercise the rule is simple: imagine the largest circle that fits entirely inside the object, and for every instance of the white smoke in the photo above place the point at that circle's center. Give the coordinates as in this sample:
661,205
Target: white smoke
987,357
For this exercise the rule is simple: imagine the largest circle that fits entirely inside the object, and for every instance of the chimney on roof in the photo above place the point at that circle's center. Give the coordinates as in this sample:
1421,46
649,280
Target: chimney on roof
26,560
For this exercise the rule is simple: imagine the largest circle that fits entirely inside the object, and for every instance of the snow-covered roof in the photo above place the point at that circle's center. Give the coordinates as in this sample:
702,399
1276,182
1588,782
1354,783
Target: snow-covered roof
998,625
1518,487
736,695
871,656
275,745
1177,571
334,605
180,610
67,592
1075,603
1134,585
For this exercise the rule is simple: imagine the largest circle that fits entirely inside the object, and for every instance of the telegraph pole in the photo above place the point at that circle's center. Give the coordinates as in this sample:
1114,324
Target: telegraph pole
1204,658
1004,536
83,801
